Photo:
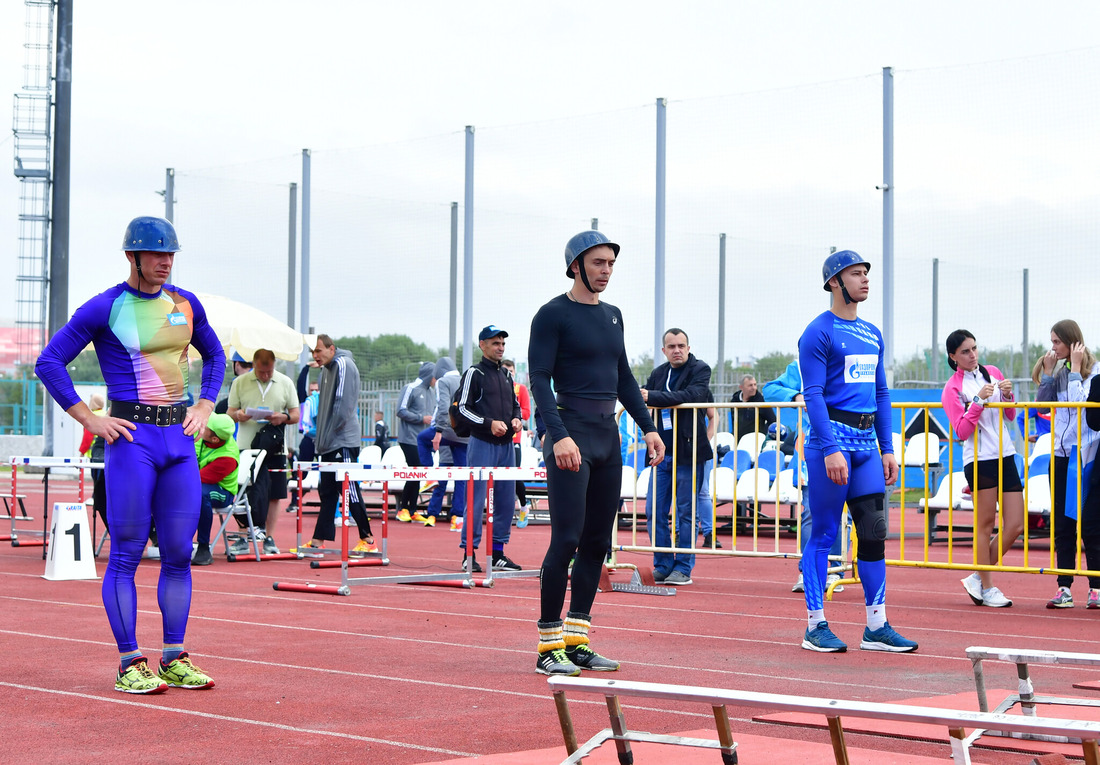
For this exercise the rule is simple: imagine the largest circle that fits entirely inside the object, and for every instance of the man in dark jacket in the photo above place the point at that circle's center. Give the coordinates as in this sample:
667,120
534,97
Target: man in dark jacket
683,379
488,403
744,419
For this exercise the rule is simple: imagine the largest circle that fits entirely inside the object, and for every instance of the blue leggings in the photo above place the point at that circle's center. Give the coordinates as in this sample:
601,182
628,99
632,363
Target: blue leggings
826,506
155,478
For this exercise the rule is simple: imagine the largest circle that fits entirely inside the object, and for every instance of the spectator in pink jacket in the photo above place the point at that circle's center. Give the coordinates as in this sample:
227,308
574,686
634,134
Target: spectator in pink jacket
988,459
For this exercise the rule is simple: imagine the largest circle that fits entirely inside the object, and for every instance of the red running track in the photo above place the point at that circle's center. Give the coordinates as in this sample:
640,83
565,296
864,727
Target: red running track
407,674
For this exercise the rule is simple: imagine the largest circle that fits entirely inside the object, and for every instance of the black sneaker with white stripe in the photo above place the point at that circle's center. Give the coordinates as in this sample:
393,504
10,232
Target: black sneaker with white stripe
502,562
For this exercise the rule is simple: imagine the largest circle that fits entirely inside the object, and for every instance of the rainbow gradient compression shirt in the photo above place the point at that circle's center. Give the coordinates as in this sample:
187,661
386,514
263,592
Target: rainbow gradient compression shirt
141,341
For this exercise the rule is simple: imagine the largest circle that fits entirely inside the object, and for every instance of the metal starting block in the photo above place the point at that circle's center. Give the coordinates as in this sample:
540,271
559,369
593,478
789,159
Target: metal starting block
641,583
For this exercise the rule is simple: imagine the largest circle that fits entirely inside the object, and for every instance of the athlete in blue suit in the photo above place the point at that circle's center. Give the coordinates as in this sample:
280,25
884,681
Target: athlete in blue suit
141,329
848,405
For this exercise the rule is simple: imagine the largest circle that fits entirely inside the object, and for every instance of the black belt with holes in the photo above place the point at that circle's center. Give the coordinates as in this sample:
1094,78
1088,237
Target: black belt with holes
604,406
149,414
860,420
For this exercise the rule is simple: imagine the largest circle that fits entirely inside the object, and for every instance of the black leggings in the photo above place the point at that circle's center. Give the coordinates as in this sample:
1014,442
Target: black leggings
1065,528
410,494
582,513
330,489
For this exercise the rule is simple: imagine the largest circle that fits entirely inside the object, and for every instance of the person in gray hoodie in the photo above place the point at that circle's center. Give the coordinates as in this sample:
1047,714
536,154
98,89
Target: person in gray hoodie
439,436
416,410
337,440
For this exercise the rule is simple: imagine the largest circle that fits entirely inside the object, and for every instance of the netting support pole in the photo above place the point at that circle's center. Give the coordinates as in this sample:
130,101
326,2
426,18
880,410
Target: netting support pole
887,189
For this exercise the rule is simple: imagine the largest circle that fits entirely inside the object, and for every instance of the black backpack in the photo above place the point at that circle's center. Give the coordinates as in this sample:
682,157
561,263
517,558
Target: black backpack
459,424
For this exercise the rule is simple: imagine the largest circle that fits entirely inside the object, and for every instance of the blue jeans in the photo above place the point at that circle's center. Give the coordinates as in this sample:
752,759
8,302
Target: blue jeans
212,496
656,511
484,454
458,459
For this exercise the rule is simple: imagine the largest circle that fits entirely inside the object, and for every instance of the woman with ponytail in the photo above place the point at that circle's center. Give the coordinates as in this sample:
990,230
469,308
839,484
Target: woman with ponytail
987,466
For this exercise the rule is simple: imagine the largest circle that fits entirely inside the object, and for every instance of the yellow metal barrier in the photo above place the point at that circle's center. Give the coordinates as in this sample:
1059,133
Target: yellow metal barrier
750,512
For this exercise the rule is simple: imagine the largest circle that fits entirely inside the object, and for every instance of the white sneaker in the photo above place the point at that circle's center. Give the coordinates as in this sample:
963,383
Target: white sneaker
994,598
973,586
152,552
800,585
834,578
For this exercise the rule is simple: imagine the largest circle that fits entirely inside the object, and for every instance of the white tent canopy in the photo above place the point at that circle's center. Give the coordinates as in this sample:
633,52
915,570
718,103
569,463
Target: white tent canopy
247,329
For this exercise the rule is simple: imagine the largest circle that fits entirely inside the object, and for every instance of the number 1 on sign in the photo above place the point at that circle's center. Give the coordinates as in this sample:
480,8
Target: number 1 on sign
74,532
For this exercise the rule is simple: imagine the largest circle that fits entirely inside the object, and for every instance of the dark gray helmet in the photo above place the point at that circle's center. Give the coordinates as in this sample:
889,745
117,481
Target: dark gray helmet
582,243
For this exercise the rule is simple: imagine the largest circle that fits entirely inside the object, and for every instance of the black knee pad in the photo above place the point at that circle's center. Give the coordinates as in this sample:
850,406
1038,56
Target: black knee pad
869,515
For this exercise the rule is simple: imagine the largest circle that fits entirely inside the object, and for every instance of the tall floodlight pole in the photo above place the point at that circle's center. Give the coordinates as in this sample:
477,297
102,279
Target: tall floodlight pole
888,218
468,255
721,308
170,211
63,110
935,353
291,250
454,279
304,302
659,234
1024,347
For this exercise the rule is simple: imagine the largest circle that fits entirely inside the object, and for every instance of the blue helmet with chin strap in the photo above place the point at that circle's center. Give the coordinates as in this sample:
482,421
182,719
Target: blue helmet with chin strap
838,261
150,234
582,243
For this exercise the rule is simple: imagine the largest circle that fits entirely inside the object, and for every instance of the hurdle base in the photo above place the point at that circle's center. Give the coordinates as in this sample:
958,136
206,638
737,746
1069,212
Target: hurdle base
251,557
351,563
317,588
17,542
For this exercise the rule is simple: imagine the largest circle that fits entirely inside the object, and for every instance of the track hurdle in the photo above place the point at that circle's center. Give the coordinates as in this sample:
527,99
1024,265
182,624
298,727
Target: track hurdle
1026,696
15,499
956,720
384,475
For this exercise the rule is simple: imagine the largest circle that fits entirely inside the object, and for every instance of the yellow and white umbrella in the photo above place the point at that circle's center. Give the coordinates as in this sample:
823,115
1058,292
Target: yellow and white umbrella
247,329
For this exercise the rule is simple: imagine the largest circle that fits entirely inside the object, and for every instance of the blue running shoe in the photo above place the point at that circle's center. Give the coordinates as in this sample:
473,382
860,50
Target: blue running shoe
822,639
885,638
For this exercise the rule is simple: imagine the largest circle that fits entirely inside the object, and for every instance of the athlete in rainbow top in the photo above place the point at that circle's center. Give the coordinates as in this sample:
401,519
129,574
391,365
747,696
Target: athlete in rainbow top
141,330
848,405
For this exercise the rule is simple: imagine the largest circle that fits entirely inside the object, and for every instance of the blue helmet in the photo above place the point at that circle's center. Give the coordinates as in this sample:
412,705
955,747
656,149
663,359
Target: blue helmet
777,431
582,243
150,234
838,261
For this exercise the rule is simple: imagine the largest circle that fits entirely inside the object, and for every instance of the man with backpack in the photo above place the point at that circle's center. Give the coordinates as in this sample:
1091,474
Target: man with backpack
488,407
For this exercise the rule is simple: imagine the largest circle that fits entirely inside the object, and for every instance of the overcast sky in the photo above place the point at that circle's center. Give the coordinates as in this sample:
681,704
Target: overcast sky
230,92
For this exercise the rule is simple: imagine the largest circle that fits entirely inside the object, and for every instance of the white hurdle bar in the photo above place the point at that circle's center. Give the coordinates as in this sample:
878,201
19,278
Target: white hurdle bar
80,464
956,720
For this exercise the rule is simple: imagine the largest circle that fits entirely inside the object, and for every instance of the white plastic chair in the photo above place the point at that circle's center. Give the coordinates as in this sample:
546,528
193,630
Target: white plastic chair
753,482
722,482
1038,494
394,457
371,455
920,445
899,444
724,439
949,494
629,483
530,457
751,443
1041,446
249,465
785,490
643,483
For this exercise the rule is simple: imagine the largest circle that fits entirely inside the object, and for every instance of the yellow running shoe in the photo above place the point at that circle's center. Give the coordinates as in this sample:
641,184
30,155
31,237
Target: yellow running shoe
420,518
181,673
138,678
363,548
403,515
456,523
429,521
308,546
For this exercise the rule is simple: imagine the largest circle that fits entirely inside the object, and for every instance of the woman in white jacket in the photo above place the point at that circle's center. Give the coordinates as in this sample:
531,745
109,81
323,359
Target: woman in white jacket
1065,373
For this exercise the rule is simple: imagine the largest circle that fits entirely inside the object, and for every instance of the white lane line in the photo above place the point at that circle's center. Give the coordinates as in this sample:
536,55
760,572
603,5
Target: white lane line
240,720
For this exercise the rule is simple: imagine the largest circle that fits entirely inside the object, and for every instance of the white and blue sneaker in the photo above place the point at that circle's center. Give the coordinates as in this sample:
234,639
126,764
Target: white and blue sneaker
822,639
886,638
973,586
